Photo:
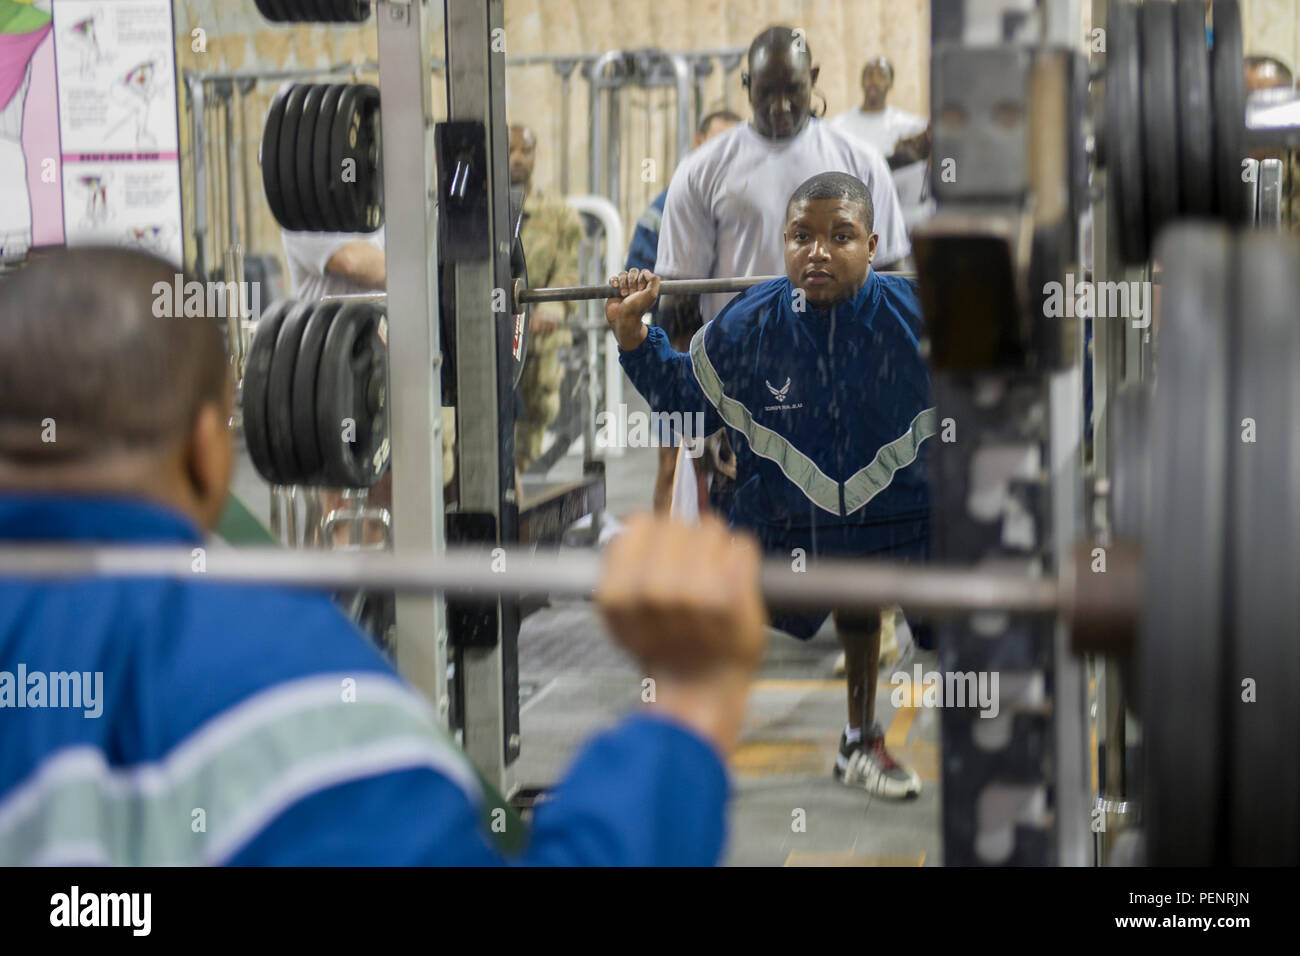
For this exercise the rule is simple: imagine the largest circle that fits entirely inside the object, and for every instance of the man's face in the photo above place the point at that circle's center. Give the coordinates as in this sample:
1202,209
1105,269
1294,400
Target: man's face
828,251
523,149
780,91
875,86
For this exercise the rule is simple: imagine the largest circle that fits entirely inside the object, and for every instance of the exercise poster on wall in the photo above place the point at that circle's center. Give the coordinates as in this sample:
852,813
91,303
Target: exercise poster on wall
89,152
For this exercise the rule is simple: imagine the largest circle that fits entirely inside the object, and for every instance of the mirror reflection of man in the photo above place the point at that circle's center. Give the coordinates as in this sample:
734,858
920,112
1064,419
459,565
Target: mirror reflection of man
903,137
679,316
551,232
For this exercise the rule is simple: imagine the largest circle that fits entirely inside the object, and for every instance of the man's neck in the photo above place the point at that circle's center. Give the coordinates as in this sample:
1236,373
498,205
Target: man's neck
870,109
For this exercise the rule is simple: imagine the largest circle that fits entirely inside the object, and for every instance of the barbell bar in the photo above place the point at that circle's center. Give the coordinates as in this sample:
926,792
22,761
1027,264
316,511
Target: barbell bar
576,293
470,573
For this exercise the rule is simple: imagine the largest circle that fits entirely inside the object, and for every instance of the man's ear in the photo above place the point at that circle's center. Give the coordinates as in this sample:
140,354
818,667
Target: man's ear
209,460
813,74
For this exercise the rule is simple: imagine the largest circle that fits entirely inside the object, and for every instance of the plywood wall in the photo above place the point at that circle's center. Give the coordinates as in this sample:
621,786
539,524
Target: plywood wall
1273,28
841,34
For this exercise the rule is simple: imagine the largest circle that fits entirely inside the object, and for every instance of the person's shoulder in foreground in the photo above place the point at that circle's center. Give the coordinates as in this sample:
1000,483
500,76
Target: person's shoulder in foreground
238,725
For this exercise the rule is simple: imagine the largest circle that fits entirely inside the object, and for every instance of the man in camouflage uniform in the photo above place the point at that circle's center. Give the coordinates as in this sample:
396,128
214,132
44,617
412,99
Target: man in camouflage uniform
551,232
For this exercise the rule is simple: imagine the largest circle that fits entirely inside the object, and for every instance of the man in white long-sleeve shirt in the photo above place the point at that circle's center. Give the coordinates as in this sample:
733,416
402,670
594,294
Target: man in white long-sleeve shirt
725,212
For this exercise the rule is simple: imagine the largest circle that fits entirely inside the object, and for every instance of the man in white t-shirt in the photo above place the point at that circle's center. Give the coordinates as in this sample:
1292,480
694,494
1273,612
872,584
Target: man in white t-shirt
902,136
334,263
725,212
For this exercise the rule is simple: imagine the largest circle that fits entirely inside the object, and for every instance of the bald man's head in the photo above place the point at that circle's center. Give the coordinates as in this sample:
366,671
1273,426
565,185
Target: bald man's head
523,155
91,382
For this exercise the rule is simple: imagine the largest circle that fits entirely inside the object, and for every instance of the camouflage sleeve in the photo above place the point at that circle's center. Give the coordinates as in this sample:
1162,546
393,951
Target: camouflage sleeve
569,236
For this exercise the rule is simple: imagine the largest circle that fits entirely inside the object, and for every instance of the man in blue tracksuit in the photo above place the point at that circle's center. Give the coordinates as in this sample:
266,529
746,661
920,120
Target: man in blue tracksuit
819,381
147,722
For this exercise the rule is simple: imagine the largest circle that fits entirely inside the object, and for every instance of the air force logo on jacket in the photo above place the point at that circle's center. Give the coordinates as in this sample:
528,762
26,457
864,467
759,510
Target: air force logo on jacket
828,410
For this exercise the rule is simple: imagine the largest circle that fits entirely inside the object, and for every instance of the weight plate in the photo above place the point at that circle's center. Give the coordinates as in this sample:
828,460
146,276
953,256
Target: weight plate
1124,165
270,155
271,10
321,160
1159,113
279,392
1184,533
294,10
1195,117
352,11
1262,769
303,177
369,147
257,370
343,137
1229,86
303,401
520,332
352,399
289,158
1128,433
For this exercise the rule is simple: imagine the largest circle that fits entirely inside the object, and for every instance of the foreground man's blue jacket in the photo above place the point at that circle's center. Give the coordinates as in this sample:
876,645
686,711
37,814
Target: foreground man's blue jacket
216,724
827,410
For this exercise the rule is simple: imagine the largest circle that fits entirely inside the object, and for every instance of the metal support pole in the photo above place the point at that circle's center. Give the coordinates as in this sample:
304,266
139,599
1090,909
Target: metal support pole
198,149
682,70
485,394
406,34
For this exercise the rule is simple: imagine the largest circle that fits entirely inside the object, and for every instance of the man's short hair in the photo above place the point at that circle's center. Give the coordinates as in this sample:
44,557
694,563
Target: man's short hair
82,348
1257,60
777,38
881,62
836,186
727,116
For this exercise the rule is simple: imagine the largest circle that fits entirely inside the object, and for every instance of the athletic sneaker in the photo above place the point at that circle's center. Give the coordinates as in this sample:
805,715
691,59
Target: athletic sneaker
868,765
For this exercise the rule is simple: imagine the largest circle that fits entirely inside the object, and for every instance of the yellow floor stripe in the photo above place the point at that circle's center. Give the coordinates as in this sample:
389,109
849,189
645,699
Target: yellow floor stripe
848,858
777,758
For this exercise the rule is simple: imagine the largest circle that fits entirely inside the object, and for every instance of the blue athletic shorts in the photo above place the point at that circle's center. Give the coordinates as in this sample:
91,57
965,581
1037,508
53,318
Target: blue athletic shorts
909,541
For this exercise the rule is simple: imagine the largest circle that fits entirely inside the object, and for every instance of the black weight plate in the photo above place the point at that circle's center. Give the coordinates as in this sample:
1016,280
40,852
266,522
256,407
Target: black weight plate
295,10
1159,113
270,155
1229,85
303,401
369,147
322,170
271,10
257,370
304,178
1195,117
351,11
352,384
347,195
1125,165
519,322
1184,544
1263,766
1128,434
289,157
279,392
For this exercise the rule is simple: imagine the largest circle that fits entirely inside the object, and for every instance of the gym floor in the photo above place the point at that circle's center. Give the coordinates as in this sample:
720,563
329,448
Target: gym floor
573,682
